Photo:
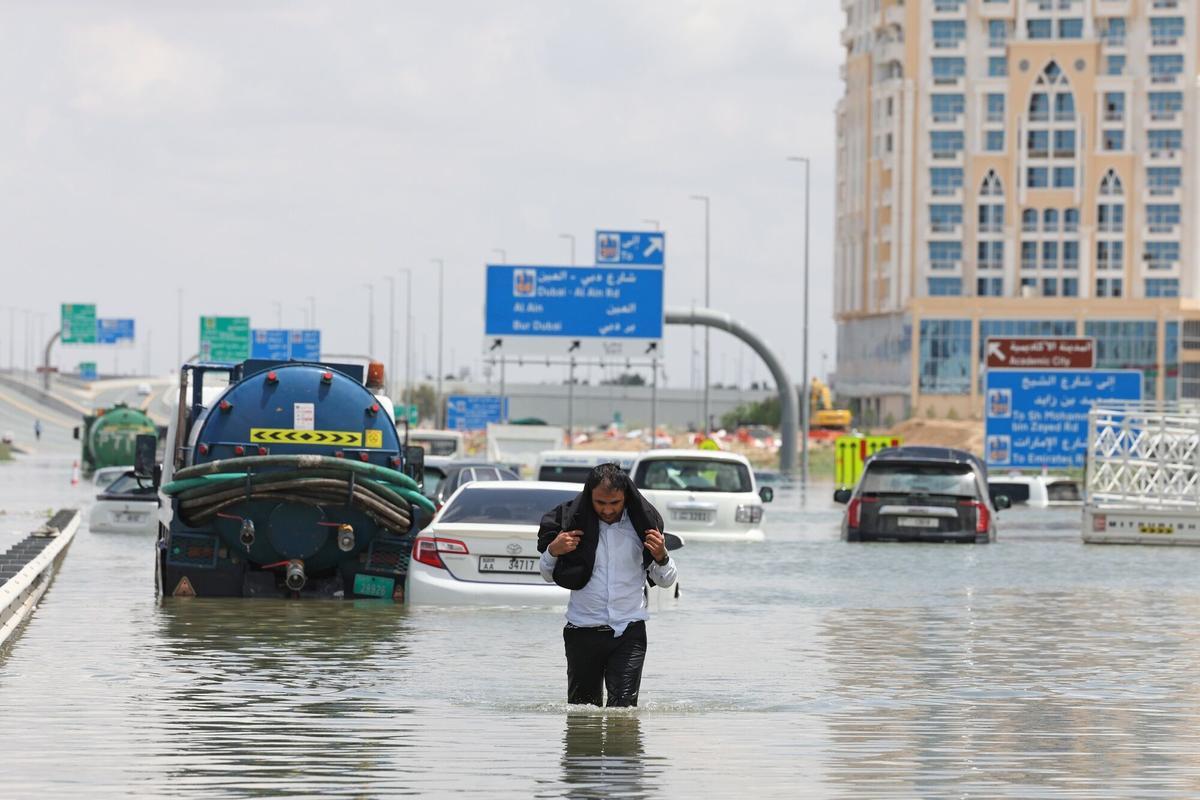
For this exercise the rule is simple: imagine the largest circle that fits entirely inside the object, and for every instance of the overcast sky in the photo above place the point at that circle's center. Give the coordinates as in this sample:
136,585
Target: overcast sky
254,153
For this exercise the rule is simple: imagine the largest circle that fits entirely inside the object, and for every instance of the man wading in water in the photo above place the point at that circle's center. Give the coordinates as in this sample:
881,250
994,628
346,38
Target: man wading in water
603,546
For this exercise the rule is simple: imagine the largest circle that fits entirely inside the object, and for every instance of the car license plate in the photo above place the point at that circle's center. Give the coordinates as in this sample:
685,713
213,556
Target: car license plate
689,515
130,516
917,522
528,566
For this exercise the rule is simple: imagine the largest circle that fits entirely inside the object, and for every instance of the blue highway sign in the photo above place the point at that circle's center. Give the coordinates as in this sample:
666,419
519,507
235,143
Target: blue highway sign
114,331
466,412
635,248
280,344
1038,418
306,345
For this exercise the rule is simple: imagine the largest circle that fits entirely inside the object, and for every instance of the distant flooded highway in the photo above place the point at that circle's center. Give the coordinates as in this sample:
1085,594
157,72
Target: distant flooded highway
1035,666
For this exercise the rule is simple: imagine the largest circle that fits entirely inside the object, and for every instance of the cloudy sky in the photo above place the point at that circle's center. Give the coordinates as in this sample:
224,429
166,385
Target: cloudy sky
254,153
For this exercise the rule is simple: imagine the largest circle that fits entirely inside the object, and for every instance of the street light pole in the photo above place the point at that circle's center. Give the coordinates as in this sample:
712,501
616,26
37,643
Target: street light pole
391,362
370,320
179,330
407,397
570,236
806,391
707,305
503,254
441,285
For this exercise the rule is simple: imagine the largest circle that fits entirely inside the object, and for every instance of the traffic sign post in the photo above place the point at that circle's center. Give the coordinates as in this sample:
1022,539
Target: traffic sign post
78,323
1040,352
634,248
1038,418
224,339
474,412
576,311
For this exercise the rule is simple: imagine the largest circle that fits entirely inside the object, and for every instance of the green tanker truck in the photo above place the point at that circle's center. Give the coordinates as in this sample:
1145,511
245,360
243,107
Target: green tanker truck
108,436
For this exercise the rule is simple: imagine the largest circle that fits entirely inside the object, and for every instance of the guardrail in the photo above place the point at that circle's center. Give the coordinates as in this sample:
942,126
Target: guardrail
27,568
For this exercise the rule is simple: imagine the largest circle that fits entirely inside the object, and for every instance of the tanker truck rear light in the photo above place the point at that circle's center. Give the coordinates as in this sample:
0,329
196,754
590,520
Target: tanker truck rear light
395,461
373,409
238,450
339,453
272,377
262,451
364,456
226,406
203,449
326,377
375,375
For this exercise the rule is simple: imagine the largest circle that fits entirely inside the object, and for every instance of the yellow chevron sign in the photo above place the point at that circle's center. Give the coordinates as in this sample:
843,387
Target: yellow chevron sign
290,436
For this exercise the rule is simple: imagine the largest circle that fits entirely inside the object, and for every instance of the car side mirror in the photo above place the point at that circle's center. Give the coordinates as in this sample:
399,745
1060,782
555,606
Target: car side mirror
766,493
144,448
672,541
157,475
1002,502
414,463
841,496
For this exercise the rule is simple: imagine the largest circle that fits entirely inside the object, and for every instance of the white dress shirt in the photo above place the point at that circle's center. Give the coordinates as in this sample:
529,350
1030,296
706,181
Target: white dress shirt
615,595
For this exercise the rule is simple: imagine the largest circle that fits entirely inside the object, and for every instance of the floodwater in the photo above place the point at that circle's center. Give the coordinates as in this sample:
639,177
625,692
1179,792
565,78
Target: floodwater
802,666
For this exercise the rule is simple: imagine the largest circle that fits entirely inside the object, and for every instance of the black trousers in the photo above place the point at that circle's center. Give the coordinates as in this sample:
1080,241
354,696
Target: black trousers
596,659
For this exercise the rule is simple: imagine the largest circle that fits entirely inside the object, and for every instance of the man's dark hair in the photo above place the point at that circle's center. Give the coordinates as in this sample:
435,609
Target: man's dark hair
608,476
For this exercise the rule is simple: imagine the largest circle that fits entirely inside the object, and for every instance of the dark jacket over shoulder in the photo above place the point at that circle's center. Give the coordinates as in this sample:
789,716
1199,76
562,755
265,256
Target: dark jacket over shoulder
573,570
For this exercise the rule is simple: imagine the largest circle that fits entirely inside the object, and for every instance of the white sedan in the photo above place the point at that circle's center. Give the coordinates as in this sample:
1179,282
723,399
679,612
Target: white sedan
481,548
705,495
127,505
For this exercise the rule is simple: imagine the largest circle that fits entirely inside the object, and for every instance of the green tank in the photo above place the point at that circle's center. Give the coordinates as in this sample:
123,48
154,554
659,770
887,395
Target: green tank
108,436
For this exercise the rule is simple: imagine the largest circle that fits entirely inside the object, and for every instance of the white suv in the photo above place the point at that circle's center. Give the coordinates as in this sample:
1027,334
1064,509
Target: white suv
703,495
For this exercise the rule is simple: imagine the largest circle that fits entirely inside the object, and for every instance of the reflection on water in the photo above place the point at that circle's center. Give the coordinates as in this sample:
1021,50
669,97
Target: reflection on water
799,666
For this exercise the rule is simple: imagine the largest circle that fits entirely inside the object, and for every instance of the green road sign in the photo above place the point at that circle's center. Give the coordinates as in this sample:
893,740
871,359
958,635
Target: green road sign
414,416
224,338
78,323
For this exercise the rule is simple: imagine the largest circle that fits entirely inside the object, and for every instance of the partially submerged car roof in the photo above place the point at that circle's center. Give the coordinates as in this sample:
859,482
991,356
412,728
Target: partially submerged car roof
924,453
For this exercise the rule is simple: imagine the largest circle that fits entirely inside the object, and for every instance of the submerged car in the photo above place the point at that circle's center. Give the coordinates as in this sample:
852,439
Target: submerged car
703,495
127,505
921,494
443,477
1036,491
481,548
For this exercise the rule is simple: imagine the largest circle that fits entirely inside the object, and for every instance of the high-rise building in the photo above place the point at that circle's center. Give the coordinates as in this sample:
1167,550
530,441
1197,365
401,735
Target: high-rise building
1011,168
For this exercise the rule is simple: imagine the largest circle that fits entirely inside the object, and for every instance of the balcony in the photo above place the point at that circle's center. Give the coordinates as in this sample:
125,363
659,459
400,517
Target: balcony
1166,157
1165,115
1165,41
1163,194
957,7
998,9
945,229
947,157
1165,79
1165,5
943,193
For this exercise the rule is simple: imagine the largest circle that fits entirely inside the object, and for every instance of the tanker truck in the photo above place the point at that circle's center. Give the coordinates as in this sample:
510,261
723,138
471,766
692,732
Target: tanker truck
285,480
108,436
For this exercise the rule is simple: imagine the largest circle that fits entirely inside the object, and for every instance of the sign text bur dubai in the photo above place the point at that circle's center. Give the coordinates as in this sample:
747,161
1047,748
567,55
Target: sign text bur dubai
615,311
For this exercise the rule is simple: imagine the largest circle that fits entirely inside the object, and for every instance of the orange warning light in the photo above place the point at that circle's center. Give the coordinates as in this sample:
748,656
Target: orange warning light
375,375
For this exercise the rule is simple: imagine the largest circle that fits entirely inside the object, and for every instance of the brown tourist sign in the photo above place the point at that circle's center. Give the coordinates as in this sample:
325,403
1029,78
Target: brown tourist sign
1040,352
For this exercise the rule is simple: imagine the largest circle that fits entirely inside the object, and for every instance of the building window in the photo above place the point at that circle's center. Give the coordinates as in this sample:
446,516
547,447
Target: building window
991,219
945,287
1164,68
1166,31
945,180
948,70
1109,255
995,107
993,141
945,218
1064,144
1039,28
1162,287
1162,255
1110,184
947,107
1064,177
945,356
991,254
1108,287
1029,255
1050,220
945,144
1113,34
1039,107
1163,180
997,66
945,255
1049,287
1049,255
1114,139
1037,177
1029,220
989,287
1114,106
1071,220
948,33
991,186
1111,217
997,32
1114,65
1070,287
1071,28
1162,217
1127,344
1165,105
1167,140
1064,107
1070,254
1037,144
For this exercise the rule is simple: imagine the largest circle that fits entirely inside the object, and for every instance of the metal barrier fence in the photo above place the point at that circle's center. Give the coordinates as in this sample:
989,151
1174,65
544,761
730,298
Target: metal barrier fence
1144,455
27,568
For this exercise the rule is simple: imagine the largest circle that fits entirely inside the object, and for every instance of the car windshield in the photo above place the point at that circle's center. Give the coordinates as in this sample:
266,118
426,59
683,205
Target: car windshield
947,479
436,447
564,474
105,477
693,475
128,484
512,506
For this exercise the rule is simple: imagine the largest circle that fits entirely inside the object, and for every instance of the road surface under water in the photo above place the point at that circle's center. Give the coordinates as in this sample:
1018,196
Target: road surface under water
1035,666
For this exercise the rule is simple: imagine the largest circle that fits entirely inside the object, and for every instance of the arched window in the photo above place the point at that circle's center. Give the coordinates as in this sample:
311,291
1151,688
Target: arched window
991,187
991,214
1029,219
1110,184
1050,219
1110,212
1050,141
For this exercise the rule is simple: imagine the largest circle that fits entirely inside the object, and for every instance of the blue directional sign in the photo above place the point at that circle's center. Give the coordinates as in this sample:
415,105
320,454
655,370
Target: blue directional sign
280,344
571,306
269,343
1038,418
466,412
635,248
114,331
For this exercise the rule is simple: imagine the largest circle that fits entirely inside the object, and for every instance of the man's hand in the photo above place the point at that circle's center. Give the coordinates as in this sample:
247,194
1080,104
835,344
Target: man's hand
565,542
656,545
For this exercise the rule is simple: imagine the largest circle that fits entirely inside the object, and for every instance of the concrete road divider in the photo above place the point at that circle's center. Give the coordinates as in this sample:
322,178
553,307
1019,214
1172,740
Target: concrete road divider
27,568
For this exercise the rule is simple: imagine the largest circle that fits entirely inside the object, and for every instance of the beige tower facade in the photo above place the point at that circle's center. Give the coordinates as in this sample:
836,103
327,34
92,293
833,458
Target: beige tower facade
1008,168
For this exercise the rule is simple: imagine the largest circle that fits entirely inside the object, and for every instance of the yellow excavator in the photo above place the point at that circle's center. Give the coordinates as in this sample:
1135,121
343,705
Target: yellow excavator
822,414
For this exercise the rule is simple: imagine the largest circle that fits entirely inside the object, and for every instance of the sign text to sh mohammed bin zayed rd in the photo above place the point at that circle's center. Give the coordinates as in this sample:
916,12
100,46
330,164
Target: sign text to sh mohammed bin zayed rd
614,311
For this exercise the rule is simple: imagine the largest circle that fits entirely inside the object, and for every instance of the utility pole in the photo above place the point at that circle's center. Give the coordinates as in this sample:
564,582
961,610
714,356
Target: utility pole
408,336
438,414
179,330
391,362
370,320
708,306
805,391
570,236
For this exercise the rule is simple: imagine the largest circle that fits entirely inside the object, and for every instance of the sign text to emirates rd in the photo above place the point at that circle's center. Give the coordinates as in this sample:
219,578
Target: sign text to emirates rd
1041,353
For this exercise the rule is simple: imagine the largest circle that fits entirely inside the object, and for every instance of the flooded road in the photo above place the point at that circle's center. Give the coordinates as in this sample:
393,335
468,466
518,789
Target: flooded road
802,665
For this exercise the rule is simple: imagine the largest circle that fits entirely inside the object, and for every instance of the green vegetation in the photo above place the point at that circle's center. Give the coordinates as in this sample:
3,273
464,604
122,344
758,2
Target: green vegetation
764,413
425,399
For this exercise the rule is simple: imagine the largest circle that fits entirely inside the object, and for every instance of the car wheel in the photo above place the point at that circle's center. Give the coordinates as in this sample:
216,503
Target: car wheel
853,537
